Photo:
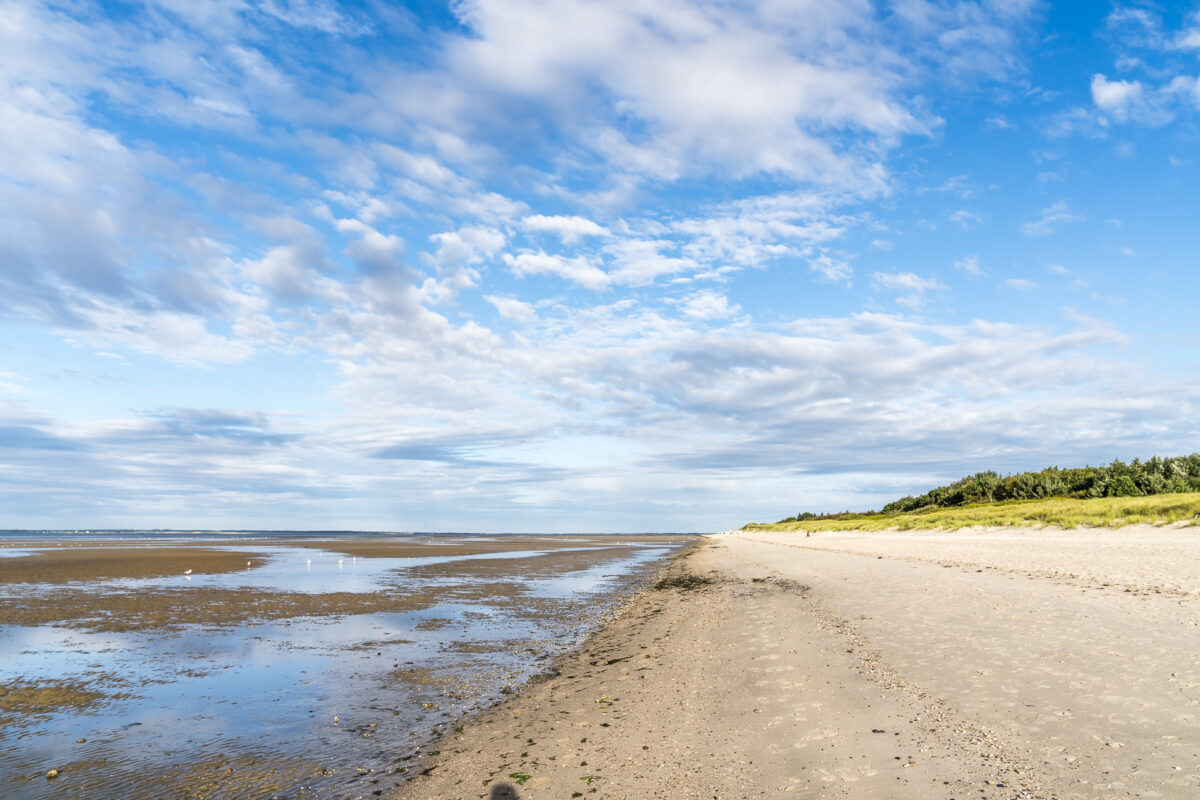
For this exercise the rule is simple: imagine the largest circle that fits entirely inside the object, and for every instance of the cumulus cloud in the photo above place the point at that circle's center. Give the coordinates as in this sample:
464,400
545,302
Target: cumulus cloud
638,262
512,308
1129,101
707,304
457,256
289,272
467,245
569,229
374,252
579,269
1115,97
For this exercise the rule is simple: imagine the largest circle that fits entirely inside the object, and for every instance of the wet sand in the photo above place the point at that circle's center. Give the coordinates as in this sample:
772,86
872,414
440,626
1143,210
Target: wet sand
92,563
986,664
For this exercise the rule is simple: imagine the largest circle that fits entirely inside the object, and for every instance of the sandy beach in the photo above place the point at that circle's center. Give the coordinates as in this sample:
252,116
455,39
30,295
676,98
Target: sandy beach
993,663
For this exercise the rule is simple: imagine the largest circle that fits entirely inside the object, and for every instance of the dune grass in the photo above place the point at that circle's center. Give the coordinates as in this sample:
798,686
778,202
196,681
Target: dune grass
1063,512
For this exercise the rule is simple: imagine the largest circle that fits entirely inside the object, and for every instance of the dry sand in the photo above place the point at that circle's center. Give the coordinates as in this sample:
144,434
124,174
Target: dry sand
976,664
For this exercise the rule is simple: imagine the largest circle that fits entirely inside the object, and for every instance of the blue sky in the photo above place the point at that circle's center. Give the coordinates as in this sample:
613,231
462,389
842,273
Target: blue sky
562,265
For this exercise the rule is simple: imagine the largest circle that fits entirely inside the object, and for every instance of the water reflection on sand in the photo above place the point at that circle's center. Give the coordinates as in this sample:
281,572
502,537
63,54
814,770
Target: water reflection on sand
335,703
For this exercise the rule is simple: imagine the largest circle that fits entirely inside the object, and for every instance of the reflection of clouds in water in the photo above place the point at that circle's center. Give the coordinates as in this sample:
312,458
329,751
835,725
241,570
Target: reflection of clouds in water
593,579
292,569
51,653
14,552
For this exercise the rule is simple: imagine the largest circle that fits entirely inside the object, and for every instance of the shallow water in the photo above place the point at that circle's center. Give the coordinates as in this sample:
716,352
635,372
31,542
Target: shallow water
305,706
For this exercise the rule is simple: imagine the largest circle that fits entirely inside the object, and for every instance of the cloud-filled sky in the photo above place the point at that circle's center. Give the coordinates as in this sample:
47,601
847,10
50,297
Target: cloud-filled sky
566,265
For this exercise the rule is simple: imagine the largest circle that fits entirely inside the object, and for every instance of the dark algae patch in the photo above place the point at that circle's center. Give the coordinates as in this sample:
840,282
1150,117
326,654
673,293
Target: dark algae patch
109,563
19,699
164,610
686,582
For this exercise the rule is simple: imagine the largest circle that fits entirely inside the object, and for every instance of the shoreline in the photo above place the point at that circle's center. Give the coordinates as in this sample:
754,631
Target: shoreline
939,665
425,763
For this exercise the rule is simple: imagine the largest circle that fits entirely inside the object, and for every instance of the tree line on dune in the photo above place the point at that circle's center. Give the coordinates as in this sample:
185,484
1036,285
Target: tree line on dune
1118,479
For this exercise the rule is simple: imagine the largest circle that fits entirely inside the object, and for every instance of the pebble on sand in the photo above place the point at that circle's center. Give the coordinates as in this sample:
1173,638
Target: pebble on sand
51,774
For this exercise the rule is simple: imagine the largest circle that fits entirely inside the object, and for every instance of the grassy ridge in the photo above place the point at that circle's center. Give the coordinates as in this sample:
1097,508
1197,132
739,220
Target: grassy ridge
1064,512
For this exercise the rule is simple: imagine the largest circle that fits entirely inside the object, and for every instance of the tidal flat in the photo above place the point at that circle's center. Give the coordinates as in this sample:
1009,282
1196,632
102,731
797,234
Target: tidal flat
251,666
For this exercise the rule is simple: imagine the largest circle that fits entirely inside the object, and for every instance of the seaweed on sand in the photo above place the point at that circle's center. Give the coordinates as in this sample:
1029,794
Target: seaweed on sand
684,583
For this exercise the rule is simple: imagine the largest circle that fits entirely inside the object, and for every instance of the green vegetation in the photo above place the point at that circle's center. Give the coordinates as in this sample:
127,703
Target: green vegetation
1063,512
1153,491
1118,479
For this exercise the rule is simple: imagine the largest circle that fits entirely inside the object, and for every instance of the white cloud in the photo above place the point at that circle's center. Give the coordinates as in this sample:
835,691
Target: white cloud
374,252
832,269
1131,101
965,219
512,308
676,89
909,285
756,230
467,246
1185,86
904,282
569,229
1020,284
969,265
180,338
707,305
457,255
1115,97
579,269
289,272
1072,121
639,262
1052,217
